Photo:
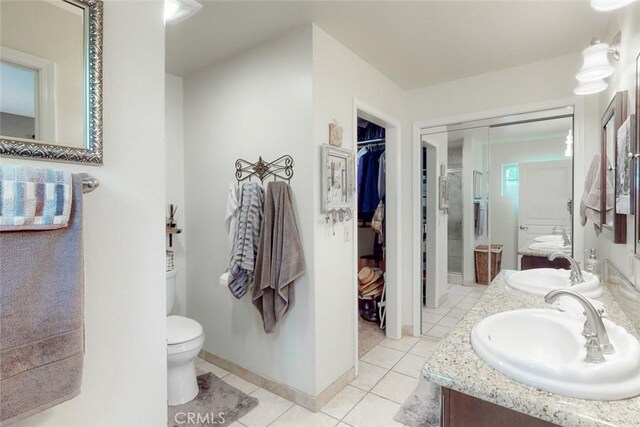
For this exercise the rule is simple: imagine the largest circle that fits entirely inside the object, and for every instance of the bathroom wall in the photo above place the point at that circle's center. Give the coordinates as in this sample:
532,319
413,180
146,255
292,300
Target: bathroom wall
498,91
124,381
339,78
625,20
258,103
456,254
174,182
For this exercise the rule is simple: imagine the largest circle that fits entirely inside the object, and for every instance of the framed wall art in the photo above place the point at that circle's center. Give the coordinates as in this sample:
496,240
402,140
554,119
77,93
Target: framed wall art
337,178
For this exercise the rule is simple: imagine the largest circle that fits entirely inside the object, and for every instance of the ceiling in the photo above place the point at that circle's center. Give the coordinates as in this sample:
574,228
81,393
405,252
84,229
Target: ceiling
415,44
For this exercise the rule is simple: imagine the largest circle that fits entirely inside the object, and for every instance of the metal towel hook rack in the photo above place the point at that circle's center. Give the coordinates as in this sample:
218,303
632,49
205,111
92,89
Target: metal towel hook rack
282,168
89,183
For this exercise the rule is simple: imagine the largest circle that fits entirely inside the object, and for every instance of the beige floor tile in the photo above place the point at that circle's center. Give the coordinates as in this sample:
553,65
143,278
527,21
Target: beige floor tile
214,369
464,306
431,318
438,332
448,321
460,290
403,344
240,383
373,411
395,386
424,347
440,310
368,376
382,356
456,298
343,402
411,365
426,326
236,424
456,313
298,416
449,303
269,408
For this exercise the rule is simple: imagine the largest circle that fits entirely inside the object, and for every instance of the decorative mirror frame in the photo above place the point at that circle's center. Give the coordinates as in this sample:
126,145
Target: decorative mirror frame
329,151
616,111
92,152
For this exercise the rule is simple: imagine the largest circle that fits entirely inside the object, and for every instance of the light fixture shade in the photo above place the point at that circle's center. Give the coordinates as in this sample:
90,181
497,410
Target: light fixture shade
178,10
588,88
607,5
595,64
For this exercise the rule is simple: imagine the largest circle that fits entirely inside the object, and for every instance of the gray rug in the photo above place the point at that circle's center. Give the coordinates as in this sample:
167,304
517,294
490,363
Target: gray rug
422,408
217,403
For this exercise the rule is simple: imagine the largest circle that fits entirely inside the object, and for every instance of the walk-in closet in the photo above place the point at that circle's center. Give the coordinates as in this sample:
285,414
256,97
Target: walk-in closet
371,182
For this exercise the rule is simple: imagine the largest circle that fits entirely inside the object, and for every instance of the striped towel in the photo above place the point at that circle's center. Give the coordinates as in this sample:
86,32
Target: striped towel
245,242
34,198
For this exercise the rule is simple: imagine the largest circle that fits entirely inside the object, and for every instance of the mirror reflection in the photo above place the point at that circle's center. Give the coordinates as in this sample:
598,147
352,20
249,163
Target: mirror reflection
42,71
610,135
510,198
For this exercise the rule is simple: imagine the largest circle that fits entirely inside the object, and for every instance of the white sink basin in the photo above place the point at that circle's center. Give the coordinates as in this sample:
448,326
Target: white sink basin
545,349
540,281
550,246
548,238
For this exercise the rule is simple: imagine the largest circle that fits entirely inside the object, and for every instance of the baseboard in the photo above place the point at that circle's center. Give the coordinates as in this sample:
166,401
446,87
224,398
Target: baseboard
407,330
301,398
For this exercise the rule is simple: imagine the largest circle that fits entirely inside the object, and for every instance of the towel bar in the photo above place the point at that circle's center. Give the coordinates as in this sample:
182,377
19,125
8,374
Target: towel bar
89,183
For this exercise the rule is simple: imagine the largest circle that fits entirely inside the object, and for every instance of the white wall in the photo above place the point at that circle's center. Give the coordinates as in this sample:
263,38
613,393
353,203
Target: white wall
258,103
174,181
504,208
499,92
124,380
339,78
624,78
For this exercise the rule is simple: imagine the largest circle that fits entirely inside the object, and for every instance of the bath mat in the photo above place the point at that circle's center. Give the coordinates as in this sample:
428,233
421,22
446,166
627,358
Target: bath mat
422,408
217,403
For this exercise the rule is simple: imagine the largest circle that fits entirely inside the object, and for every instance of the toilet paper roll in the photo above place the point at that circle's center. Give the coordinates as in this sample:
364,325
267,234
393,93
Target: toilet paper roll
224,279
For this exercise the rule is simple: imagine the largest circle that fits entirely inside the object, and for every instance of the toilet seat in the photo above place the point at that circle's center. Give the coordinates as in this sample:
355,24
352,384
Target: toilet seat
181,330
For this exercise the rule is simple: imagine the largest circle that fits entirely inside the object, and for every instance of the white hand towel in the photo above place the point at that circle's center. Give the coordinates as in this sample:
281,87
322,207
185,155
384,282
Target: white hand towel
230,215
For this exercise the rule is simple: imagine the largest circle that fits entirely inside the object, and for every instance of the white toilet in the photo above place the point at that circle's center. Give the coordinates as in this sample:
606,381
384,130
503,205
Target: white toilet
184,341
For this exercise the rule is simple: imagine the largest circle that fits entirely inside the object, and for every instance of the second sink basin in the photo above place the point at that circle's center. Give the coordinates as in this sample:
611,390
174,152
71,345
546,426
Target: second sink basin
550,246
540,281
545,349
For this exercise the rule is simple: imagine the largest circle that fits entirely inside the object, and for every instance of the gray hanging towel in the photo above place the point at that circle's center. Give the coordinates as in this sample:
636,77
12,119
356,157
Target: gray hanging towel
280,258
41,316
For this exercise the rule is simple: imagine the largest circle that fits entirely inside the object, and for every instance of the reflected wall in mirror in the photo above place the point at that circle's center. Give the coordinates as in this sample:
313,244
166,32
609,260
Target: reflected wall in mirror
614,225
51,79
636,184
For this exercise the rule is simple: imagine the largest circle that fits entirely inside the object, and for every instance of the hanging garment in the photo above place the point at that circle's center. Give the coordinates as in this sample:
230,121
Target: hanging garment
280,258
362,167
370,197
382,175
231,212
590,205
479,217
245,244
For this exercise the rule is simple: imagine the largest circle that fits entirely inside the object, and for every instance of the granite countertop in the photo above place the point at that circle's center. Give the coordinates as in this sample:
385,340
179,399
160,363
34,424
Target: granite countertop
456,365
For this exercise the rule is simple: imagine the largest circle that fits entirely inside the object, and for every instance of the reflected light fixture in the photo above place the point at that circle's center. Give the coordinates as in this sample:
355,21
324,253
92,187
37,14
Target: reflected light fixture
176,11
569,142
596,66
608,5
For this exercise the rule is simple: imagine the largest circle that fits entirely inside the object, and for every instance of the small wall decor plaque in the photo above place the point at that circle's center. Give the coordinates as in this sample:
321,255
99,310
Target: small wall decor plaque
335,134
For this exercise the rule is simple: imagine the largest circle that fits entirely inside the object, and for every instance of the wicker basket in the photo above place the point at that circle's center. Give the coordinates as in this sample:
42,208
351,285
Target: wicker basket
482,264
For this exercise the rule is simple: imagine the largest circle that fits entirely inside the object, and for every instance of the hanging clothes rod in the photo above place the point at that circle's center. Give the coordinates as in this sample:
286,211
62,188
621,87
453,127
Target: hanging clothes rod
89,183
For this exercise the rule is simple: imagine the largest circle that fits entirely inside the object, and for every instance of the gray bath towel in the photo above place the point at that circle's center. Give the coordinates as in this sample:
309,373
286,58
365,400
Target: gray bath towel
280,258
41,316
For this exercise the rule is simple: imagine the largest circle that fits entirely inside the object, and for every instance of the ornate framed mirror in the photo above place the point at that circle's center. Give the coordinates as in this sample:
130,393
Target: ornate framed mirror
614,224
51,80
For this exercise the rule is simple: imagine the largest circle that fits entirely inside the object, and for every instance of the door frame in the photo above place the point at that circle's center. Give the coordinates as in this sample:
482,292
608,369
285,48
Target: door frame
393,214
419,127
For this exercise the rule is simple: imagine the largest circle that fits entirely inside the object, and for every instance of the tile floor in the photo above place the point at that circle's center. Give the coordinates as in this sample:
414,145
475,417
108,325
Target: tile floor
388,374
437,322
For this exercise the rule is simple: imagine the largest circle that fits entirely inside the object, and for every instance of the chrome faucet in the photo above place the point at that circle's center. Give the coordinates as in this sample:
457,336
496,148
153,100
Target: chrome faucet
576,273
559,230
598,343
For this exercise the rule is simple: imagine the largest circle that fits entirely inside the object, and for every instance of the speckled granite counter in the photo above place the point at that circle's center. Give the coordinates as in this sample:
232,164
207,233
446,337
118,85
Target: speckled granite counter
457,366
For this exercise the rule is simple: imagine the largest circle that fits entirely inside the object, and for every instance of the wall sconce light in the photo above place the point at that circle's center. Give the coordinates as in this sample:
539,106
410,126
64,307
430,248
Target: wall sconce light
176,11
596,66
609,5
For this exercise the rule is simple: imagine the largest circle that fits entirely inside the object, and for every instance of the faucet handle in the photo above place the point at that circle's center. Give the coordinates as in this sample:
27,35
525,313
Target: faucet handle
594,350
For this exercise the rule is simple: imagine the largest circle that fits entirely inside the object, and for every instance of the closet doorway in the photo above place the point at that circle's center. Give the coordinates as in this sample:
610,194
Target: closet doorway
376,229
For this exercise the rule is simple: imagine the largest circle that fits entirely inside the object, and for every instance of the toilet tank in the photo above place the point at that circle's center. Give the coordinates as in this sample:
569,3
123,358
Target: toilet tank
171,290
